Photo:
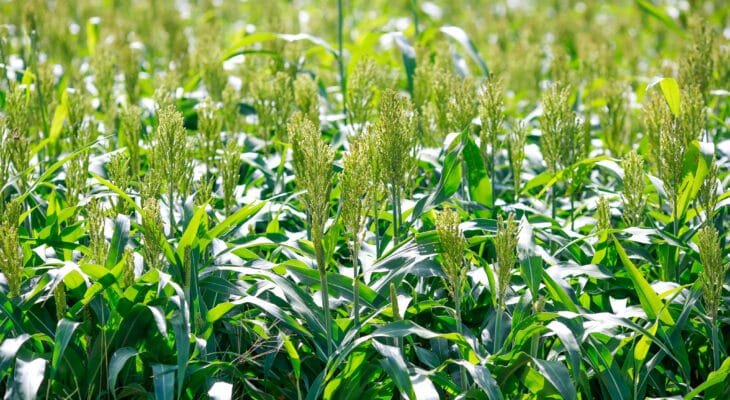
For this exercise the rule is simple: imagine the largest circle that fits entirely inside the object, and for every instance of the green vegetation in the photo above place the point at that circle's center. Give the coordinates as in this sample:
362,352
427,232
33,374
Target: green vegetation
344,200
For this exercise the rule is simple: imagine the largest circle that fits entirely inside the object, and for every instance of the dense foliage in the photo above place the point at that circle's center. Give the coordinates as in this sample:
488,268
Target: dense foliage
380,199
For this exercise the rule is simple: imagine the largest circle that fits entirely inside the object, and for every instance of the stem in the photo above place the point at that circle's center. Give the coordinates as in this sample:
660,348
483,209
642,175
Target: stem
534,344
396,217
492,178
675,228
340,59
396,314
715,345
497,328
319,254
376,220
170,198
459,330
355,287
552,213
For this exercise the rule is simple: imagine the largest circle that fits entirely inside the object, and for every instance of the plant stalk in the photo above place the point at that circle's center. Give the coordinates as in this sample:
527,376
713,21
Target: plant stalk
460,331
355,287
497,329
715,345
319,254
396,215
171,198
493,178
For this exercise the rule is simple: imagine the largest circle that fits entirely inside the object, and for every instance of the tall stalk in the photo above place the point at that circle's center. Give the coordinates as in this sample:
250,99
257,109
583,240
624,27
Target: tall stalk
319,255
312,159
396,214
170,199
460,331
355,285
715,345
498,329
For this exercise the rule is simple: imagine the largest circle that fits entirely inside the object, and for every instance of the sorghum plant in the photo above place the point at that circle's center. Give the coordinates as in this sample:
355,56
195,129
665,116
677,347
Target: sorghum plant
603,215
208,60
697,62
713,277
563,140
707,195
672,150
11,256
210,124
656,115
453,263
516,141
130,136
95,227
395,145
102,64
129,60
492,115
312,159
128,274
356,197
153,234
692,115
119,174
614,121
168,154
633,193
78,108
461,107
274,103
230,165
505,244
362,90
306,97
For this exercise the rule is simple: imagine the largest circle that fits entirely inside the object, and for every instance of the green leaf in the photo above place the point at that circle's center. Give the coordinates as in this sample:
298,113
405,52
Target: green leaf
59,115
557,374
293,355
163,376
670,90
717,381
613,381
463,39
483,378
394,364
696,168
650,302
480,187
237,218
191,231
448,184
531,270
120,237
121,193
116,364
64,333
649,8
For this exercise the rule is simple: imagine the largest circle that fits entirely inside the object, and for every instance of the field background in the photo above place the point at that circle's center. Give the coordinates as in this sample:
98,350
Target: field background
364,199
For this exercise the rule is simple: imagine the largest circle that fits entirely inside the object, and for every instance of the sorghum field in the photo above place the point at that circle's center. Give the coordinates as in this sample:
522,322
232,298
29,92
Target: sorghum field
298,199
